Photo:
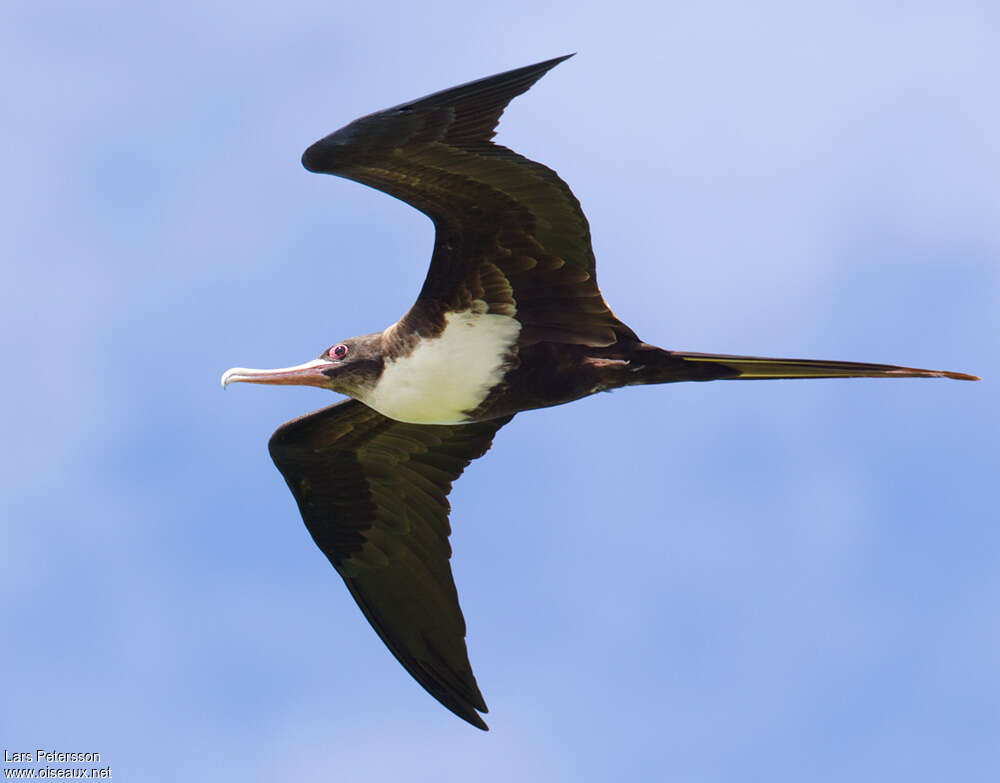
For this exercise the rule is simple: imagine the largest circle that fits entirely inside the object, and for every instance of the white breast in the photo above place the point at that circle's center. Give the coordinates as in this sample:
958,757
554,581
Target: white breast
447,376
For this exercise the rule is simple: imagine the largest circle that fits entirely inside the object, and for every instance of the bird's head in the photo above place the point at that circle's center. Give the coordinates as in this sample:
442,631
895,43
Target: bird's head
350,367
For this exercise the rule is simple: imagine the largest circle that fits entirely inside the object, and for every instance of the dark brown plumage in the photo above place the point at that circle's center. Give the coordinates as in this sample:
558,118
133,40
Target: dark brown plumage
506,228
509,318
373,493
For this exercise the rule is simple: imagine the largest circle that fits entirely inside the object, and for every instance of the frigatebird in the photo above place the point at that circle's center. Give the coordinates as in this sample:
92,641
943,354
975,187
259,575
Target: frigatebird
509,319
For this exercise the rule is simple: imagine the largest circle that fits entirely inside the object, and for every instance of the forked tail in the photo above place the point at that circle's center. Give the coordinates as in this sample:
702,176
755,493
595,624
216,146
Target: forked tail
724,366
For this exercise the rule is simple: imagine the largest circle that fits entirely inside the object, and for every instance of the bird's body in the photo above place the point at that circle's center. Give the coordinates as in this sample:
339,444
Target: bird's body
473,352
509,319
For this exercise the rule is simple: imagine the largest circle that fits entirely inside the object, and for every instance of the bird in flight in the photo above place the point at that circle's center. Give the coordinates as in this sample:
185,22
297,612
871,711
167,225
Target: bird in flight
509,319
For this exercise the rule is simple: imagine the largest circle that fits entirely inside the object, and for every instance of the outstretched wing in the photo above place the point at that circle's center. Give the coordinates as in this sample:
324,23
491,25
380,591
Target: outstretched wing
373,494
509,231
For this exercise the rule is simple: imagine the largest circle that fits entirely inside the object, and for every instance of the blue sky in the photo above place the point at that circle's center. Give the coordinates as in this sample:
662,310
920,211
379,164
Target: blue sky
781,581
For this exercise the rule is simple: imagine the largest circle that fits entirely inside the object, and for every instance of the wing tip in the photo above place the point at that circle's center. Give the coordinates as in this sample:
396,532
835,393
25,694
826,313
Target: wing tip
474,719
489,95
554,61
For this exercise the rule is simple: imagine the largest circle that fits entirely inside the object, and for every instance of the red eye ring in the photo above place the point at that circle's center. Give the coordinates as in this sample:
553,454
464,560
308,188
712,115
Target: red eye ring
338,351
